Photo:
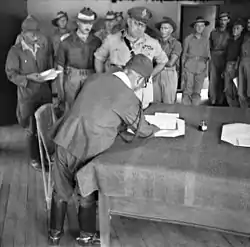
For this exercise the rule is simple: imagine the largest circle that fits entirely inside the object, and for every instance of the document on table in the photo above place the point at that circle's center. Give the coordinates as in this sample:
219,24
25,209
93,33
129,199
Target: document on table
238,134
169,123
50,74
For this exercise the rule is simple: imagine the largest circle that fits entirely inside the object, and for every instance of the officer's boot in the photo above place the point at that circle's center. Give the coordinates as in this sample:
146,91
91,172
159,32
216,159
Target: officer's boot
57,216
87,223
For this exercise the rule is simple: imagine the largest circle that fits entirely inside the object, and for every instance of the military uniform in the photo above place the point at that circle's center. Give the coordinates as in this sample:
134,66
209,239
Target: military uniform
22,61
104,104
218,44
115,49
244,73
196,54
166,82
77,58
232,66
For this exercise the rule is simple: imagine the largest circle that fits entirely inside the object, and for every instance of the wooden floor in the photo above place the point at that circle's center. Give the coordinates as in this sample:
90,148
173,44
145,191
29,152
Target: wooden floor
23,215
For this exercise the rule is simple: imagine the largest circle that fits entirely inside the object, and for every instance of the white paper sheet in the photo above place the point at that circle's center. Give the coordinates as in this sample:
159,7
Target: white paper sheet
162,121
50,74
235,80
238,134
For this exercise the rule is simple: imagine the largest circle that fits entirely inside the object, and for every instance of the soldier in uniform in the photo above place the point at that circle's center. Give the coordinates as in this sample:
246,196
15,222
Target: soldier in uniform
121,46
166,82
25,61
195,57
218,44
75,57
232,63
110,21
105,104
244,70
60,34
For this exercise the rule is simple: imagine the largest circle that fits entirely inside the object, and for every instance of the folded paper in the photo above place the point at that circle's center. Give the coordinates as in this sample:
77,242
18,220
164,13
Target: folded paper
238,134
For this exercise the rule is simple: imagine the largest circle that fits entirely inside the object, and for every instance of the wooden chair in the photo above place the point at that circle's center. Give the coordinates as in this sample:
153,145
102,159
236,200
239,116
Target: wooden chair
45,118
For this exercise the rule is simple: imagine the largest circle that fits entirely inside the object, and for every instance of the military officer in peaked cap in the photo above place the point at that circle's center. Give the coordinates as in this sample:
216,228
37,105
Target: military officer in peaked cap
121,46
76,57
105,104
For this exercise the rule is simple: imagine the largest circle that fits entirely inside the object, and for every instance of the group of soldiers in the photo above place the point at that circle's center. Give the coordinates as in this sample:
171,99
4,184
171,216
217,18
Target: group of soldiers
97,106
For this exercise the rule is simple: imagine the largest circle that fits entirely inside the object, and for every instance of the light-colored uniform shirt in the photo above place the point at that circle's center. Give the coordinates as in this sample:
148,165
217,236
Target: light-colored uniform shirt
196,52
115,49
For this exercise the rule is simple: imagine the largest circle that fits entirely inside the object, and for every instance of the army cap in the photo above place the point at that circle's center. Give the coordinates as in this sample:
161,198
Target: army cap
86,15
110,16
30,24
224,15
140,64
140,14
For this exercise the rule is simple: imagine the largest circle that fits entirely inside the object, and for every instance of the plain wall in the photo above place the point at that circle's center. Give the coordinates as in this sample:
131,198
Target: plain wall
45,10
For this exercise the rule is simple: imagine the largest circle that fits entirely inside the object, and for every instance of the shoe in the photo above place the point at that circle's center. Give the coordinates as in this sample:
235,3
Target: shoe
88,239
57,216
38,167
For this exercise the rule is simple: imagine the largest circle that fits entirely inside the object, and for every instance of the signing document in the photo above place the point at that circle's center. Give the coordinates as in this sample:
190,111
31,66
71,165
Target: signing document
169,123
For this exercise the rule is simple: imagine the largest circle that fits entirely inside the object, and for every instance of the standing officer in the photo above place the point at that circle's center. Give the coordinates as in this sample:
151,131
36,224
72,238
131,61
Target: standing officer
244,70
110,21
105,103
24,62
61,32
119,48
232,63
218,44
196,54
76,57
166,82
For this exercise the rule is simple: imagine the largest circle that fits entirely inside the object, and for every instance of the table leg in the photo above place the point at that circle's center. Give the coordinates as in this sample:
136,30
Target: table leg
104,220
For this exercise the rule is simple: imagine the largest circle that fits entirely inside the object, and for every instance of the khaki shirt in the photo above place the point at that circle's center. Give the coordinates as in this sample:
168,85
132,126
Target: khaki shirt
196,53
117,51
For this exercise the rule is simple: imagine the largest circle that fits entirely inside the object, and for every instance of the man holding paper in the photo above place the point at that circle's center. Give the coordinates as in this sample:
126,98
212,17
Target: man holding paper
106,103
25,61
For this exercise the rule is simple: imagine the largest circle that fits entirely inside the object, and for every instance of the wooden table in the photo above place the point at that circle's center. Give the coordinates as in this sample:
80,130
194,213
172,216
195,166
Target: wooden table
193,180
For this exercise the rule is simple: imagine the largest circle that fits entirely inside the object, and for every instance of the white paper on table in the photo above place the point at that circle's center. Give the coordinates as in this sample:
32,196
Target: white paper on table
235,80
176,115
50,74
179,131
168,122
238,134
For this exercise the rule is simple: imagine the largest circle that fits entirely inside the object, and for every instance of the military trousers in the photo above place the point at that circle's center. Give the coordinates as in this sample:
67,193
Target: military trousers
73,82
244,82
216,82
230,89
165,86
192,85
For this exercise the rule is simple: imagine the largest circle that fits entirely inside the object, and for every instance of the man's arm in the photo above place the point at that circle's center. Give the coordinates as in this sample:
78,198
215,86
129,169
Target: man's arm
160,58
61,61
101,55
12,69
176,53
134,118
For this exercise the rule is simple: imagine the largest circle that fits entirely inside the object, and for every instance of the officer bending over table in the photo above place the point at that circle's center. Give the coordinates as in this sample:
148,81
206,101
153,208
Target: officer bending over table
105,103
